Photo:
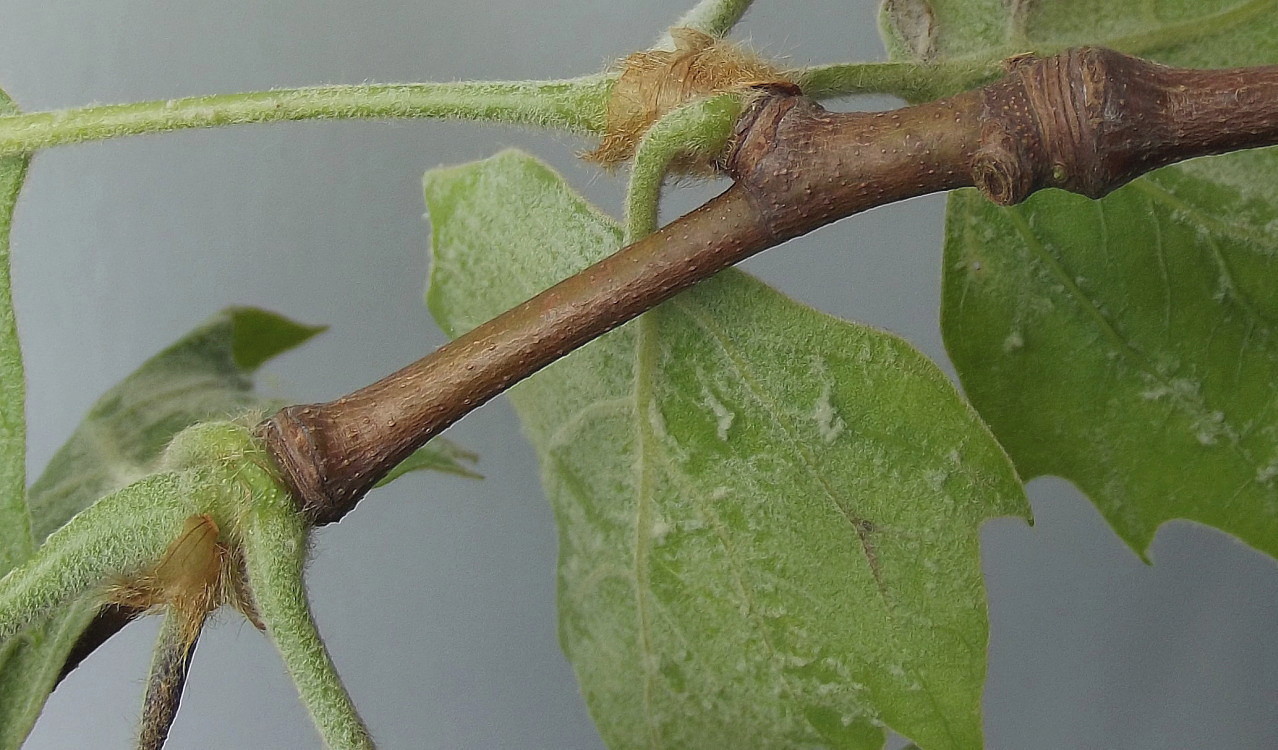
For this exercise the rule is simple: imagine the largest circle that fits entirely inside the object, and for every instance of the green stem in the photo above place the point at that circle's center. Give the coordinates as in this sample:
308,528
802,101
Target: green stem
274,551
576,105
913,82
713,17
113,537
16,541
698,129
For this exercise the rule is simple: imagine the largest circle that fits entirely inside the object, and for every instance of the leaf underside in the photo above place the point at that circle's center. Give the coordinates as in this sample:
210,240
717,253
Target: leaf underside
1128,344
203,376
767,516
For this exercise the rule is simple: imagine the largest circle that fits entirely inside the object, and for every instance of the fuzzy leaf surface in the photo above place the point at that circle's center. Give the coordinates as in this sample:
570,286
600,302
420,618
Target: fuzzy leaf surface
768,517
1128,344
1192,33
204,376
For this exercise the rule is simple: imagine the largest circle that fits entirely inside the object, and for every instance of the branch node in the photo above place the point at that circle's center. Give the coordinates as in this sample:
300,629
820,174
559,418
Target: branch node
1088,120
654,83
1001,167
300,459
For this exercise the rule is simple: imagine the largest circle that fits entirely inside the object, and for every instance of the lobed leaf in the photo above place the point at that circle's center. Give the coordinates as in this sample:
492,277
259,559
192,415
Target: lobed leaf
767,517
1128,344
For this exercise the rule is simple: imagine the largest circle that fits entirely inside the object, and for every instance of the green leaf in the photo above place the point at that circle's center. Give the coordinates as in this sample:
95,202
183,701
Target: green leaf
966,39
1128,344
30,663
203,376
437,455
927,30
16,543
768,517
256,336
1193,33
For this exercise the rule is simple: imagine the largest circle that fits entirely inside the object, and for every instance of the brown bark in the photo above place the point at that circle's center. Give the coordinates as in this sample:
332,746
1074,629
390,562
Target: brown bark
109,620
169,667
1087,120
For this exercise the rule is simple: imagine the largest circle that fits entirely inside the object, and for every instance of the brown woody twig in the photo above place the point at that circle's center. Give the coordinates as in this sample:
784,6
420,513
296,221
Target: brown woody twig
1087,120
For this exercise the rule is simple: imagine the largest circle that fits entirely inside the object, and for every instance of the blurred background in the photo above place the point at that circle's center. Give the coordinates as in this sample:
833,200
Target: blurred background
437,595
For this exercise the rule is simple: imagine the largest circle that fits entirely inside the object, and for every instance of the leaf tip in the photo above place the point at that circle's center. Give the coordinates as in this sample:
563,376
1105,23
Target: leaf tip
259,335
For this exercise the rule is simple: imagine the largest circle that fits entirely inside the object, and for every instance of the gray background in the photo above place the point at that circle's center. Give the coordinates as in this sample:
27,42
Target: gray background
437,595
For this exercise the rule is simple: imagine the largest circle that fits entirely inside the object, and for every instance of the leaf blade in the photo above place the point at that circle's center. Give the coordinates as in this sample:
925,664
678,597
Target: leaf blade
30,663
437,455
1127,344
1178,424
202,376
665,446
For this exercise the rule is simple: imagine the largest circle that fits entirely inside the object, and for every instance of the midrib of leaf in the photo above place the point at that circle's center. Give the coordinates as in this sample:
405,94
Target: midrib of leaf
1160,249
739,575
740,364
1067,281
565,431
1230,289
650,455
1256,319
646,353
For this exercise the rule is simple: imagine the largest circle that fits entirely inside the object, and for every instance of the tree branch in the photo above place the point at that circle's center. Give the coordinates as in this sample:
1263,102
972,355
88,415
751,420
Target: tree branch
1087,120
